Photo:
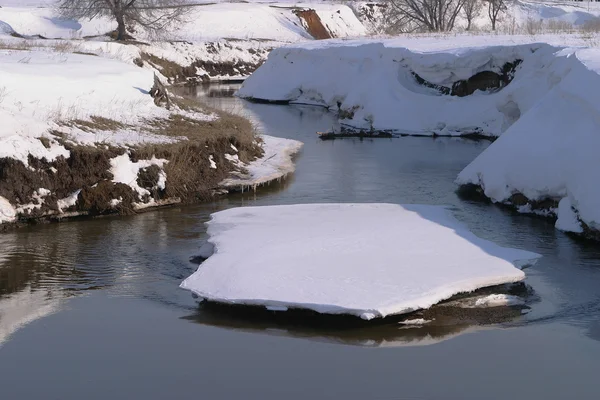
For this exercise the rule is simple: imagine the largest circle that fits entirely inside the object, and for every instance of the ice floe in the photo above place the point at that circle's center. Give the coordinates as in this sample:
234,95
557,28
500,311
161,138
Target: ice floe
367,260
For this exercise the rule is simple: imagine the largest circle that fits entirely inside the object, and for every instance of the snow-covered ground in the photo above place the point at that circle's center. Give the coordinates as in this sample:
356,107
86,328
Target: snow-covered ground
218,41
403,258
210,22
42,90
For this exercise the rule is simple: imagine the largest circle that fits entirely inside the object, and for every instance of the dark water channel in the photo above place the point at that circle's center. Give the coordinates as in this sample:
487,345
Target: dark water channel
92,310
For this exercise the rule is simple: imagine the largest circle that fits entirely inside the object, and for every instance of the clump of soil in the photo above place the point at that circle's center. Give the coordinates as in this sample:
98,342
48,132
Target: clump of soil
96,199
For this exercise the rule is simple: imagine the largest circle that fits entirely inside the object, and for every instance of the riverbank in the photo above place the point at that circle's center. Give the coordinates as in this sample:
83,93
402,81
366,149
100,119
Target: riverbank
82,136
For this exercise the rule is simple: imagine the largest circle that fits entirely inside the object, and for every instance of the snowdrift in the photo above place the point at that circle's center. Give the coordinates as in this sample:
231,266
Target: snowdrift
548,113
402,259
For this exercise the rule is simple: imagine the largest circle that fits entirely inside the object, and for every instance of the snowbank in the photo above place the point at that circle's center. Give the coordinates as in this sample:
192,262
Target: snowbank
403,258
41,90
551,152
275,164
372,84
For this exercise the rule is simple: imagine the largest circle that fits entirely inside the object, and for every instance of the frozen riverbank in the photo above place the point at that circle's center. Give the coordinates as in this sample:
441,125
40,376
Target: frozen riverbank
539,97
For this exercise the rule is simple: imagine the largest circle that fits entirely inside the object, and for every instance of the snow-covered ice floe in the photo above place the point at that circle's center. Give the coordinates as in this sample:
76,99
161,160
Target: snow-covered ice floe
367,260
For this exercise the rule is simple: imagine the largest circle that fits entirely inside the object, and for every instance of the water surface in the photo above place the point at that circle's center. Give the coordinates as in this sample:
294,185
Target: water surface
91,309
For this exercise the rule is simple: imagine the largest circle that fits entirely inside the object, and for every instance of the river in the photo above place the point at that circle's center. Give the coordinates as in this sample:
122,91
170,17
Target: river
91,309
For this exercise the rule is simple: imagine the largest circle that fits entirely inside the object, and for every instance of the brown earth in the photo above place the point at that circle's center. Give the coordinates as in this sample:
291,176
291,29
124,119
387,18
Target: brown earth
484,80
314,25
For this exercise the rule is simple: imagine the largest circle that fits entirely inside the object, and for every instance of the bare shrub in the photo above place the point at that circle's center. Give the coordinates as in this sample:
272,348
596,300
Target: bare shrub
154,16
471,10
533,27
423,15
558,26
17,44
591,26
495,9
64,46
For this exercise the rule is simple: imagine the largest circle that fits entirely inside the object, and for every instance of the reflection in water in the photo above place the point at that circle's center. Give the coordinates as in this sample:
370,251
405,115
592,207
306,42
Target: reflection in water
444,322
20,308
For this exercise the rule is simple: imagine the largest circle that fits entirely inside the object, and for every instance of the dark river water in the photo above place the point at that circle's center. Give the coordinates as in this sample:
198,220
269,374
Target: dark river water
92,309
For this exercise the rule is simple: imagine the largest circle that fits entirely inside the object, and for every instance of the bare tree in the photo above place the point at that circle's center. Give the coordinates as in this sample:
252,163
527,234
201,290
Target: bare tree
471,10
428,15
495,7
152,15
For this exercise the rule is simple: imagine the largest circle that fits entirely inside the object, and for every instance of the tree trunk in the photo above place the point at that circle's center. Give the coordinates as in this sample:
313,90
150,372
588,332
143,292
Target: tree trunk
121,31
494,24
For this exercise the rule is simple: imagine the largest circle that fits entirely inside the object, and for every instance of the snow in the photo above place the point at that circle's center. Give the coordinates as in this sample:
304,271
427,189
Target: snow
275,164
208,22
383,93
67,202
552,151
126,171
402,258
567,218
211,160
43,90
115,202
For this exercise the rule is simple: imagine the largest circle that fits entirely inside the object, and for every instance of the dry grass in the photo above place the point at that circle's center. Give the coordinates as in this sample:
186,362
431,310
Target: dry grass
57,46
96,123
190,176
